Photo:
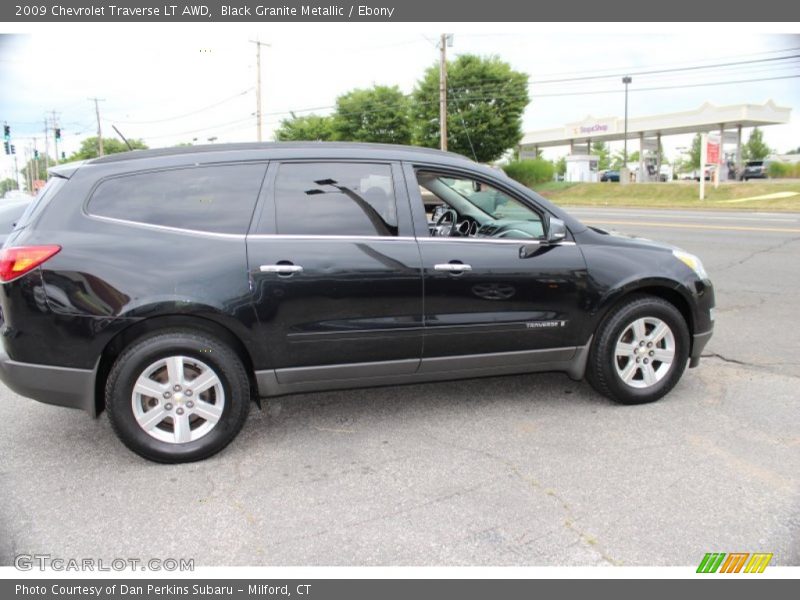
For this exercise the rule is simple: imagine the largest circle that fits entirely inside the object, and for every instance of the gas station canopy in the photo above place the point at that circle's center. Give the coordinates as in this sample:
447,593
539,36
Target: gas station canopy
707,118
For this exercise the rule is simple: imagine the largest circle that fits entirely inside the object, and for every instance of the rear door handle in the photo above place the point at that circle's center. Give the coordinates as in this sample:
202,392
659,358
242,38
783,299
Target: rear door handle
453,267
284,269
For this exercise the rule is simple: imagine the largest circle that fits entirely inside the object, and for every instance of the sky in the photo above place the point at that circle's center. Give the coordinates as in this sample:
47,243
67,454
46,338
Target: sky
172,83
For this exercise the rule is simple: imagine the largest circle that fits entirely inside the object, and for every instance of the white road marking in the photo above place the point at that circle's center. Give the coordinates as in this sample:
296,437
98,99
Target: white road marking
681,216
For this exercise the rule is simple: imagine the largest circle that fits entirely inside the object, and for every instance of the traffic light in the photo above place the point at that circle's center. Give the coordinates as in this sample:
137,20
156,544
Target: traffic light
6,132
58,133
13,149
36,154
7,147
63,155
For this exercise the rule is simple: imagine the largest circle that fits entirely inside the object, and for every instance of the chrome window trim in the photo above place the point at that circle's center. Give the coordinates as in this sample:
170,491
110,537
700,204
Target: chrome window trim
295,236
302,236
167,228
491,240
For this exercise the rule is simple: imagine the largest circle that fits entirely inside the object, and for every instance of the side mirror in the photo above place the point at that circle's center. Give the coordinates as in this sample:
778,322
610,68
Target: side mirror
556,230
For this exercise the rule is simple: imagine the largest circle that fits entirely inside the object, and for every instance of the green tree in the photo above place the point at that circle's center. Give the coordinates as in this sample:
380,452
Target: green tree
37,168
485,102
561,166
310,128
6,185
755,148
695,151
617,160
600,149
379,114
88,148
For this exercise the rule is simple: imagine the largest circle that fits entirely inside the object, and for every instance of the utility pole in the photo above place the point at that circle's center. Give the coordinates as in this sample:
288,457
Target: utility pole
29,174
46,144
35,174
56,134
258,84
99,128
445,40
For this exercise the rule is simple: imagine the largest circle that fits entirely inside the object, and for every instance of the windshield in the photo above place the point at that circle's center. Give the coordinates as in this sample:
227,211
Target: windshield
40,201
488,200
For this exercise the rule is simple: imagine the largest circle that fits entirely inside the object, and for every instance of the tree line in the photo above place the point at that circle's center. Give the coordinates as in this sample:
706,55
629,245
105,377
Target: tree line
486,99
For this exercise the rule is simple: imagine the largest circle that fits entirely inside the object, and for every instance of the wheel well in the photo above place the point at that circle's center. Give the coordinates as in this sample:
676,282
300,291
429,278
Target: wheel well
149,326
665,293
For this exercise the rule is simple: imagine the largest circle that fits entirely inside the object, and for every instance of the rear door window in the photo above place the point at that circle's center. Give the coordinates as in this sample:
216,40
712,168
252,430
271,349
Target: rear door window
217,199
350,199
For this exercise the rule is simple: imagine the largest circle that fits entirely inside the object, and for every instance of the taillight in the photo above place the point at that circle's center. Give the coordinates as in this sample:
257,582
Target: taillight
15,262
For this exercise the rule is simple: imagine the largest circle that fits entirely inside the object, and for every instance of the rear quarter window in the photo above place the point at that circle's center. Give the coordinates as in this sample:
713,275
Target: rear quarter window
217,199
41,200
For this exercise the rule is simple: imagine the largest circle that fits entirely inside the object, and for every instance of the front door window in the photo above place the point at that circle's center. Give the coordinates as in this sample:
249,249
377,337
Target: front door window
458,206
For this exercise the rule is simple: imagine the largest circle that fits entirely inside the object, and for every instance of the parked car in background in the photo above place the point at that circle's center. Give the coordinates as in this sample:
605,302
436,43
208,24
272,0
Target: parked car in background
755,169
708,171
10,212
17,195
610,176
173,287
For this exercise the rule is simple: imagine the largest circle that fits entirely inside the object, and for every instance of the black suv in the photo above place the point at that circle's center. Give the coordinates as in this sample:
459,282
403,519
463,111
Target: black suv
174,286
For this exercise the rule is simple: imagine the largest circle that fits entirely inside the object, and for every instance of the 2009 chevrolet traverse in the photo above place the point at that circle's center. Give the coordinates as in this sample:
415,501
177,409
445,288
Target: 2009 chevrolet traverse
173,287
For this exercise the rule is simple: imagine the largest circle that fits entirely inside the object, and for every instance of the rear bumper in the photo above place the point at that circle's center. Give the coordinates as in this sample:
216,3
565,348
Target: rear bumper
699,341
61,386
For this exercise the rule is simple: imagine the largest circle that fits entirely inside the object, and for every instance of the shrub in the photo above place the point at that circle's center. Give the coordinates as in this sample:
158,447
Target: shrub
531,171
778,169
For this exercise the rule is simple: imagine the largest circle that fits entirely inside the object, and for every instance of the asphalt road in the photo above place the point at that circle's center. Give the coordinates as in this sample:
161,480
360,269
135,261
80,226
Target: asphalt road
525,470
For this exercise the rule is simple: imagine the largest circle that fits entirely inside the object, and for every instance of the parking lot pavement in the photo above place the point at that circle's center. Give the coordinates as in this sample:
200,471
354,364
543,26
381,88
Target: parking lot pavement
526,470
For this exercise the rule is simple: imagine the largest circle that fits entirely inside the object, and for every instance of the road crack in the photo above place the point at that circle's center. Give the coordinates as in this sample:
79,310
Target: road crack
729,360
752,255
762,367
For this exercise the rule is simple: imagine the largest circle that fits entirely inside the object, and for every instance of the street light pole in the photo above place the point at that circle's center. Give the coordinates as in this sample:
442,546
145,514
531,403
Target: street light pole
626,80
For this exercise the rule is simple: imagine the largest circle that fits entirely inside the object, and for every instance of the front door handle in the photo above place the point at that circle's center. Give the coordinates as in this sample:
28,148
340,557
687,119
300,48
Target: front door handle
281,269
453,267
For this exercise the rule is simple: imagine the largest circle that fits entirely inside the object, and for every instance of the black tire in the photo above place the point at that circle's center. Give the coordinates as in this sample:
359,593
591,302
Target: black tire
601,371
217,356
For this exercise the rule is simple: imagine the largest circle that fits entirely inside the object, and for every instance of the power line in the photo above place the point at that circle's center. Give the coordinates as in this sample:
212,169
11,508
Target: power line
635,73
208,128
620,73
550,95
189,114
616,71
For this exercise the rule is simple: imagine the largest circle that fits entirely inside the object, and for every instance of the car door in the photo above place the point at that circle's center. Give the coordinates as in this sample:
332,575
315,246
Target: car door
336,272
494,287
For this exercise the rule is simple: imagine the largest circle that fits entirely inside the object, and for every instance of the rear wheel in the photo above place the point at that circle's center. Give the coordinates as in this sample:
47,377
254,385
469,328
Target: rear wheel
640,351
177,396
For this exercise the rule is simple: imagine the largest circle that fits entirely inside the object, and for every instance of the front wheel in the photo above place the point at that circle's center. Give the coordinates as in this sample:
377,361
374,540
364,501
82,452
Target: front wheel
640,352
177,396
